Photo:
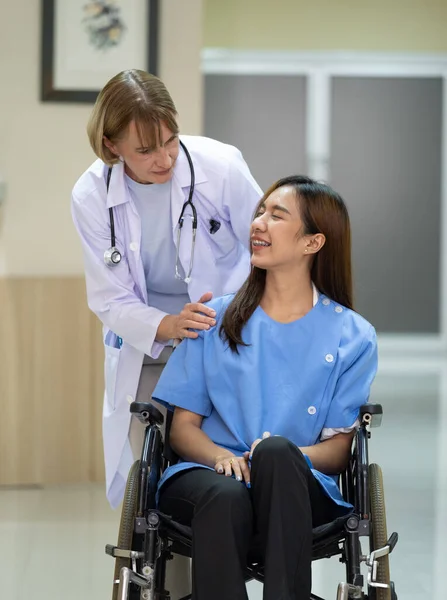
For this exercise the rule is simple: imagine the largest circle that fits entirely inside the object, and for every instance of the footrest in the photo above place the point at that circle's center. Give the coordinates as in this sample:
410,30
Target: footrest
116,552
394,538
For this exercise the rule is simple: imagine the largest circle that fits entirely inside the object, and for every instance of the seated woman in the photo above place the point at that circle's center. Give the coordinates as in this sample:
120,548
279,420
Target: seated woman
266,403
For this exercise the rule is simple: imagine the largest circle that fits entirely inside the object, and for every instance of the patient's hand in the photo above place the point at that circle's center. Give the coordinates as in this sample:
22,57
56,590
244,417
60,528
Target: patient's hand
227,465
248,455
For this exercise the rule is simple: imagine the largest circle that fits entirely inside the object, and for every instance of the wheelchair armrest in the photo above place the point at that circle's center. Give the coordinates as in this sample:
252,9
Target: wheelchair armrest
146,412
371,414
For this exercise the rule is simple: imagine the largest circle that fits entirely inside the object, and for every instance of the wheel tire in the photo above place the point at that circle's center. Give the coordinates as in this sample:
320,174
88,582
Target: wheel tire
128,513
379,531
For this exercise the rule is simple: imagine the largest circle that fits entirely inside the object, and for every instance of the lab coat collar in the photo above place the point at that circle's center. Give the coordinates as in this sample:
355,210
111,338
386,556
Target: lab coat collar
182,173
118,192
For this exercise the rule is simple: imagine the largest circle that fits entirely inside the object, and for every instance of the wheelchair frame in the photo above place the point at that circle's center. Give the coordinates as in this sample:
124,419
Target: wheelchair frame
156,537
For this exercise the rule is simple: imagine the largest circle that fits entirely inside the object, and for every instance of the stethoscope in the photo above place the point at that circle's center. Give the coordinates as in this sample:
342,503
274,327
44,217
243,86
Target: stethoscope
113,257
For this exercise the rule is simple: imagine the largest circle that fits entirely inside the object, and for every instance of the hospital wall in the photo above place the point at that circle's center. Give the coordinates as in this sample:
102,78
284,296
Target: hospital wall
50,345
379,26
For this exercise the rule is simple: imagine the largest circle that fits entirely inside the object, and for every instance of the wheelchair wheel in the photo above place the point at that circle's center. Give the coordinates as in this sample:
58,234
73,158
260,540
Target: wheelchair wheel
379,531
128,512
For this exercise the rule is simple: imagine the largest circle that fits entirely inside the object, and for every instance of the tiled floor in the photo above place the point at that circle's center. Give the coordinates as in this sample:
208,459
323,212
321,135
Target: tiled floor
52,540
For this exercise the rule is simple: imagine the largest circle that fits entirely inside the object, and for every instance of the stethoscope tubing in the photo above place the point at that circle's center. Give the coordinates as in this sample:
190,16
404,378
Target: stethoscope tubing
112,256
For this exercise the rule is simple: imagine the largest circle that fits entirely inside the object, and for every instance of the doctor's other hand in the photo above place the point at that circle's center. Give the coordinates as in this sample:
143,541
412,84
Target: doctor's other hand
194,315
227,464
248,455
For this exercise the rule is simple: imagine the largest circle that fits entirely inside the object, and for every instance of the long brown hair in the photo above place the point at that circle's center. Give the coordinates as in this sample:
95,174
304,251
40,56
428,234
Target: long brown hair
323,211
131,95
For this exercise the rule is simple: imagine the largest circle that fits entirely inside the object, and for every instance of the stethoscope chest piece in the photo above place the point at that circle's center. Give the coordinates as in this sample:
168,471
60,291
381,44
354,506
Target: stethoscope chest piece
112,257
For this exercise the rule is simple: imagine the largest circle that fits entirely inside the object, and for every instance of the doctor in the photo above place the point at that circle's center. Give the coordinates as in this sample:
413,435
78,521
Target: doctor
164,224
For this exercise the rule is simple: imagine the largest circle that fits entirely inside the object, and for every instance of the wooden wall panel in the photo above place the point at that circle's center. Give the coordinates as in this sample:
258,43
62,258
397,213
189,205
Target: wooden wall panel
50,373
97,472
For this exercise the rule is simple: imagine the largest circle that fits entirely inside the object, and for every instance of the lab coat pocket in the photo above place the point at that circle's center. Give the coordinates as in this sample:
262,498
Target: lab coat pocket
223,241
110,372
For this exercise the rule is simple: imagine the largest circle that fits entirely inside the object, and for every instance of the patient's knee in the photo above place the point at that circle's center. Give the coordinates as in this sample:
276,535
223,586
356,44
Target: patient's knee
278,449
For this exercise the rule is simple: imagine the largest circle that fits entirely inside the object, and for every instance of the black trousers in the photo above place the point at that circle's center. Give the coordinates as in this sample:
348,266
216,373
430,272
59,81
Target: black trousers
271,522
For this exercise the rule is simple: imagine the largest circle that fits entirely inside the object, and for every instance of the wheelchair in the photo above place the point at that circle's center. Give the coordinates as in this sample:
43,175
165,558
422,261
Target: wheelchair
148,539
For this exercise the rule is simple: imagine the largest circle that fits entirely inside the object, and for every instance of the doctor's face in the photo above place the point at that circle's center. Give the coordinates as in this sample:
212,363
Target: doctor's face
277,239
148,163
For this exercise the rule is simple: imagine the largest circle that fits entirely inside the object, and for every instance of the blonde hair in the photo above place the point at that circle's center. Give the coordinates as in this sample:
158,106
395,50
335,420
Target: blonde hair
131,95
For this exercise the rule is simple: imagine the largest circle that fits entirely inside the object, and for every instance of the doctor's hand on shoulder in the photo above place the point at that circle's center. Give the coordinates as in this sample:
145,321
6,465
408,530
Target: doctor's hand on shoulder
195,315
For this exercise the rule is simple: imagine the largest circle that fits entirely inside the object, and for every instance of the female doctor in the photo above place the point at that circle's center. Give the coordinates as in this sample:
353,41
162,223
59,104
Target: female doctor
164,225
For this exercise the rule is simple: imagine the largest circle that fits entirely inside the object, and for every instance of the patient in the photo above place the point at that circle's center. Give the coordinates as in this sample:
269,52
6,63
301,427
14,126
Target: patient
267,402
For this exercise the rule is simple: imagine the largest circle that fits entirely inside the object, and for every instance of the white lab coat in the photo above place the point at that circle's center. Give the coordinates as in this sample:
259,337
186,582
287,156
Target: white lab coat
224,191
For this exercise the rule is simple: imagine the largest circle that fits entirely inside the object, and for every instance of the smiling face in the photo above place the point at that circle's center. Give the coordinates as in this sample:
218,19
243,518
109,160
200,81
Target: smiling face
144,162
278,237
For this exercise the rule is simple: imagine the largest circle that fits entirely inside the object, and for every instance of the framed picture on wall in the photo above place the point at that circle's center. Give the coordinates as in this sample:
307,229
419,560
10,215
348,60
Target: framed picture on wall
86,42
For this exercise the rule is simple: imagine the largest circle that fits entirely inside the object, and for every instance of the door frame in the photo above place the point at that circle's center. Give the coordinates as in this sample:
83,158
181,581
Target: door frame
319,68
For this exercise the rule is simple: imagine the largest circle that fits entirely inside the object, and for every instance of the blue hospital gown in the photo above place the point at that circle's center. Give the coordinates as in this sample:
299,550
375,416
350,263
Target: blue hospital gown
293,379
